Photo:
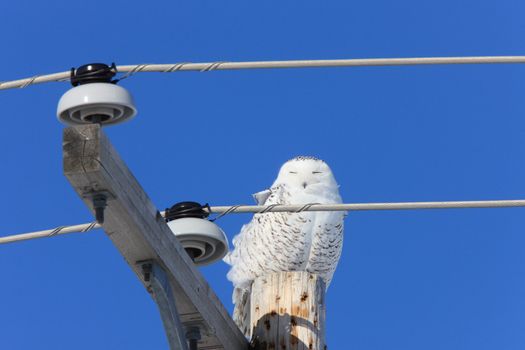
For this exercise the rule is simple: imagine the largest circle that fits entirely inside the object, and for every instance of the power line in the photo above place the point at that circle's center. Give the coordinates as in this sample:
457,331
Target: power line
210,66
50,233
278,208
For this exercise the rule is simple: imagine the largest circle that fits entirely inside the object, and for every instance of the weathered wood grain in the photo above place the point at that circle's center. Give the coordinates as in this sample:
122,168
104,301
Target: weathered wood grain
138,231
287,312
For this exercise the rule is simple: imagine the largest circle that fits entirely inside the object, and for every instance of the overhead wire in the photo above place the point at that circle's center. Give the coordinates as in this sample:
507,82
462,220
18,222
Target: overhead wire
278,208
212,66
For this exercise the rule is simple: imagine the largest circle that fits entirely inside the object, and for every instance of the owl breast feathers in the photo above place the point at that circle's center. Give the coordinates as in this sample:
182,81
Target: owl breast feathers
305,241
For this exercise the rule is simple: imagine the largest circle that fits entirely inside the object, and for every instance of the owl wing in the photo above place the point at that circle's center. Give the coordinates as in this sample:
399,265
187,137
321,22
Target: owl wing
270,242
327,244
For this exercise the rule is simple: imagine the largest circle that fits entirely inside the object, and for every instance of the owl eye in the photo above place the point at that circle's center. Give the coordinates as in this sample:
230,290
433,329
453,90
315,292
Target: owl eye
293,172
317,172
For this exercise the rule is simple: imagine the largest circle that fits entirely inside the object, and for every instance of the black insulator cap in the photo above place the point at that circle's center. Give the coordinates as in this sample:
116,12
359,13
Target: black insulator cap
186,210
93,73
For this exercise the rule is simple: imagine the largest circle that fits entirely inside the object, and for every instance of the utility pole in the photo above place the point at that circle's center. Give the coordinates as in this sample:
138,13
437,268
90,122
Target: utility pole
286,310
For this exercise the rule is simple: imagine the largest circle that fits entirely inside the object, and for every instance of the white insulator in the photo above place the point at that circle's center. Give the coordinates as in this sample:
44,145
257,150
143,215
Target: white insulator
103,103
205,239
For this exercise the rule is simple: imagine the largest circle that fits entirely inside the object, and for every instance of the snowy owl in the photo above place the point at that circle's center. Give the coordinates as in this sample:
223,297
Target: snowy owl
274,242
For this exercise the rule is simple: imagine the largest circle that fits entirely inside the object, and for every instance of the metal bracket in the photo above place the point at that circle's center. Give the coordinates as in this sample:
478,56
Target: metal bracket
160,289
99,199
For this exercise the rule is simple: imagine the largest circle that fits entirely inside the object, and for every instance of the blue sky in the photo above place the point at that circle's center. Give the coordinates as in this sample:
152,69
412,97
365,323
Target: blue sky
449,279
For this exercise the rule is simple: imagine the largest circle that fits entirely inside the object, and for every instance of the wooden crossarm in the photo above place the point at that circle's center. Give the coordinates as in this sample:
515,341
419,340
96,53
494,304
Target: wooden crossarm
135,226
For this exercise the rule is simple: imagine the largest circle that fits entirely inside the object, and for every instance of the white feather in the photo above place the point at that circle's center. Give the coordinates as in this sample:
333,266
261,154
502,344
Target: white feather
306,241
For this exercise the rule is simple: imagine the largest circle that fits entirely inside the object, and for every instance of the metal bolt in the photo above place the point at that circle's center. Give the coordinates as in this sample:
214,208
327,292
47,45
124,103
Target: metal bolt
146,270
193,335
99,204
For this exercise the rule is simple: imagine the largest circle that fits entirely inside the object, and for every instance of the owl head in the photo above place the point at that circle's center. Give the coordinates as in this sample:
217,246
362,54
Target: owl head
303,172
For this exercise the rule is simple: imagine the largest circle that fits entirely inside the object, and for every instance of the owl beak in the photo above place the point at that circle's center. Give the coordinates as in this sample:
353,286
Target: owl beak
304,184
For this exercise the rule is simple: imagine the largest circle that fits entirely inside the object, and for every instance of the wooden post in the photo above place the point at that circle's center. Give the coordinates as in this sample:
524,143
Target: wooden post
287,311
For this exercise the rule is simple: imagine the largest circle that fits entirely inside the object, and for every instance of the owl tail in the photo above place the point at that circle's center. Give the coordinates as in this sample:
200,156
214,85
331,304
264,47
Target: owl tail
241,312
